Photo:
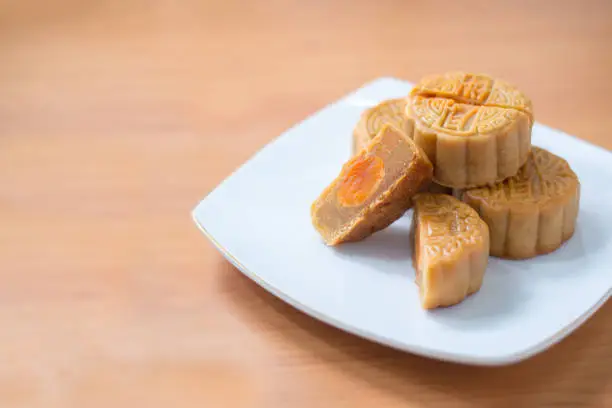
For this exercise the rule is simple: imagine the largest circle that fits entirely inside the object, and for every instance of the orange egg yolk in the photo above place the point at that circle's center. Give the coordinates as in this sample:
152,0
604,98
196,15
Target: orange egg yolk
361,177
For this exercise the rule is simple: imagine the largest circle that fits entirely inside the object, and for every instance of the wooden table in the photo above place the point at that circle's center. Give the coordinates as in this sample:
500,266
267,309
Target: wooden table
117,116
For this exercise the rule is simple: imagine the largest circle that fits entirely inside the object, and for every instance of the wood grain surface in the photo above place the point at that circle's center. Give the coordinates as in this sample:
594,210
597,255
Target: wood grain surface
117,116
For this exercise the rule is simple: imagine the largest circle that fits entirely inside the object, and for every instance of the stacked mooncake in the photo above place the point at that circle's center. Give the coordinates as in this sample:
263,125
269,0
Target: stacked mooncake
458,148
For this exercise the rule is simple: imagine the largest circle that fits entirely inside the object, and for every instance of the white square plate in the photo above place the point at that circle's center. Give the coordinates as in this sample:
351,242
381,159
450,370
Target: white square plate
259,219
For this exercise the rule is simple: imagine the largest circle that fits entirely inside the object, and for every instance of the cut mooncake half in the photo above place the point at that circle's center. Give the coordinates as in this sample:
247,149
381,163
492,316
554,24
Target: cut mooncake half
533,212
373,189
389,112
476,130
474,89
451,249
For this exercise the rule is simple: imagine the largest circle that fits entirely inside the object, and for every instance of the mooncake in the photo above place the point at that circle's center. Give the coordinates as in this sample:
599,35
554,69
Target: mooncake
451,249
533,212
374,188
391,111
476,130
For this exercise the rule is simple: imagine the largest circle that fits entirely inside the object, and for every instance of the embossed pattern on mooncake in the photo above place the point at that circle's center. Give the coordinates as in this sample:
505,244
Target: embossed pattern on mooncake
533,212
476,130
461,119
505,95
451,249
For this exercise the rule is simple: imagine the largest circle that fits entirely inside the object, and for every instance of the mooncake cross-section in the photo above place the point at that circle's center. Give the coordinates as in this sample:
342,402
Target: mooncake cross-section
451,249
373,189
532,213
476,130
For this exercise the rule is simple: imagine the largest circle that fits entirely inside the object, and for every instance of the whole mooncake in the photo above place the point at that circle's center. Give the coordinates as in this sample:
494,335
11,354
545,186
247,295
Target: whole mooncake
373,189
476,130
533,212
451,249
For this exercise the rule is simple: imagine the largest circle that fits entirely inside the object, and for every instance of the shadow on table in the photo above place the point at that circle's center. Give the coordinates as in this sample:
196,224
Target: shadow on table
575,371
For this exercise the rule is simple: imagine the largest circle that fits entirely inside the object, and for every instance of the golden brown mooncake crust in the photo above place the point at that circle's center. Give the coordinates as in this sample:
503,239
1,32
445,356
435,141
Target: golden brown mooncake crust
405,170
390,111
532,213
451,249
475,130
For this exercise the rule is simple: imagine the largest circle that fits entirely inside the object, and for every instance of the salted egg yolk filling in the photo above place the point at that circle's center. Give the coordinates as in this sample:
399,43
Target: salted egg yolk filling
362,176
